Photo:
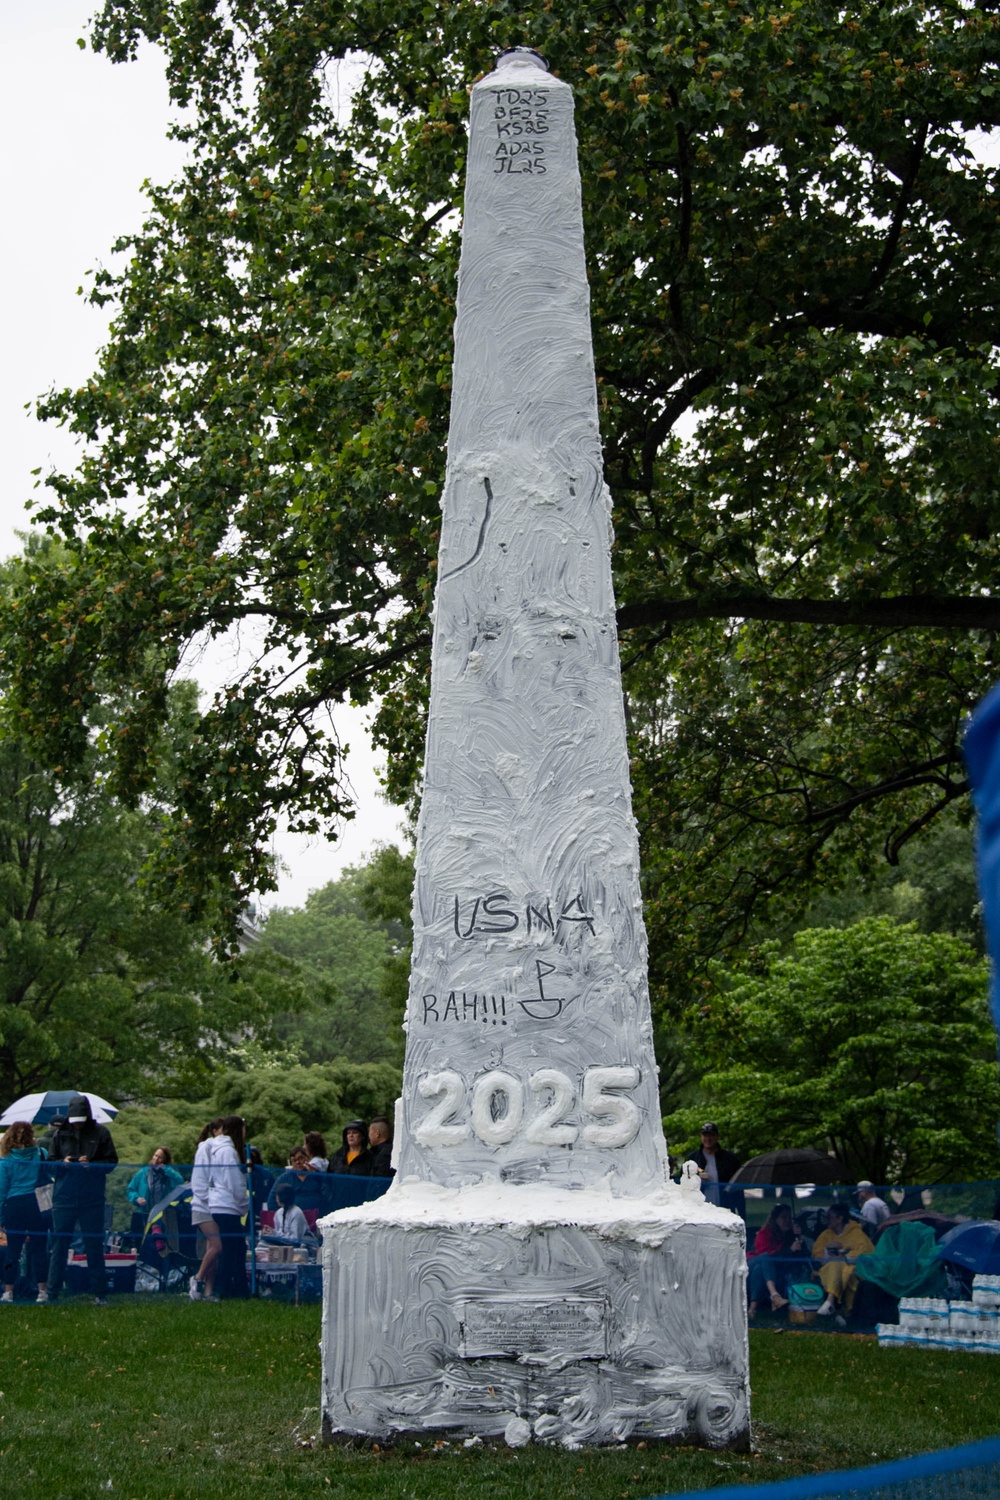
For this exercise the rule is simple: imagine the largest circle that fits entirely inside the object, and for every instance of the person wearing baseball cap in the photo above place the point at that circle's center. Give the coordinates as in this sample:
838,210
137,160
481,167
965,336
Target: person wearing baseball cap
81,1154
874,1210
716,1166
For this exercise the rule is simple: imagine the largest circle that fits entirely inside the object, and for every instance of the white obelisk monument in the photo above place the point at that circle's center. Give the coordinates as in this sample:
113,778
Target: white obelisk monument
532,1272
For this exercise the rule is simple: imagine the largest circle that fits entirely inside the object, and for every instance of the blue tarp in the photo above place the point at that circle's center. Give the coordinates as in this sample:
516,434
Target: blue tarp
982,757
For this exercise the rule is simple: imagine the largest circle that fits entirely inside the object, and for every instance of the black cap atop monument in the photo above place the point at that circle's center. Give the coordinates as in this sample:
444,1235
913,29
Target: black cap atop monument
527,53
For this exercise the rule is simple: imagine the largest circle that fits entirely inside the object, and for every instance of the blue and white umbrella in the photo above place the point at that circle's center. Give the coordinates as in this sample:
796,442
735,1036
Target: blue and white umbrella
39,1109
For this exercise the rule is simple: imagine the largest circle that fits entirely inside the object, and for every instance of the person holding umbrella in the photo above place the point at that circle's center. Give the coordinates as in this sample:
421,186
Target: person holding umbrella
52,1106
82,1154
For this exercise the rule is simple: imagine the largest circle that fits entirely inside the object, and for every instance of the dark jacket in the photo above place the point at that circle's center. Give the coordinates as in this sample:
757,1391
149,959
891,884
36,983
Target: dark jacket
80,1185
261,1182
361,1166
382,1160
726,1162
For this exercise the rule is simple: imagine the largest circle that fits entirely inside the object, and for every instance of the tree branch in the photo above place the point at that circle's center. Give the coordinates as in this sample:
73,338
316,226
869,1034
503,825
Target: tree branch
912,776
952,791
908,611
336,687
913,159
675,407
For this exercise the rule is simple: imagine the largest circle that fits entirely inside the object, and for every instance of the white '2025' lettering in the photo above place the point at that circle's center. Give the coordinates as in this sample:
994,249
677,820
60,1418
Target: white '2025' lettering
547,1129
497,1108
435,1129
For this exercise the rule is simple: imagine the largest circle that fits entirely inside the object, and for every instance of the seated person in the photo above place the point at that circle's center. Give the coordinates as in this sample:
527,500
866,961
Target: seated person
836,1249
874,1210
290,1223
771,1262
310,1188
319,1157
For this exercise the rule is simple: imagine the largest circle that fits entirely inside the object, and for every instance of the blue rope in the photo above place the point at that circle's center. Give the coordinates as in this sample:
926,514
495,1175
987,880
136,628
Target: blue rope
847,1483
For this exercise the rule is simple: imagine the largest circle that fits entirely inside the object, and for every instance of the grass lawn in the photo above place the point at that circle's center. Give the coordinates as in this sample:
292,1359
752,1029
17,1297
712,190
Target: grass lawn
151,1399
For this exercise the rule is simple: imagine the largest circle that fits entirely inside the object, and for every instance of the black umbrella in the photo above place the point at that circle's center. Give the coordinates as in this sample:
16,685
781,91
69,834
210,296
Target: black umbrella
788,1168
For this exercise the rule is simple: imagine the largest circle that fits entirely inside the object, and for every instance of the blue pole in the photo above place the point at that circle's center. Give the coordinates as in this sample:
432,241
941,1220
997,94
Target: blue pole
253,1242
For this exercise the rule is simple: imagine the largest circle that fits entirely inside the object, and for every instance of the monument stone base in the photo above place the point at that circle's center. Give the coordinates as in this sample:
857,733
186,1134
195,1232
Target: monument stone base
529,1312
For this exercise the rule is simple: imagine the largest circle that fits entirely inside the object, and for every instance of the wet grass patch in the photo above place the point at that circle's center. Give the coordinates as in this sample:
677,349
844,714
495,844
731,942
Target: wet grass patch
152,1399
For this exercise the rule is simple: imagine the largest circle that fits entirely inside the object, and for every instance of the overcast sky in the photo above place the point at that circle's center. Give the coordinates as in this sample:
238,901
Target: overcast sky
82,136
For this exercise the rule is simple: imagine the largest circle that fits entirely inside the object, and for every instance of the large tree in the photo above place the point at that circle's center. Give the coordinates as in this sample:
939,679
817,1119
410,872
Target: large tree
350,959
102,984
795,265
872,1040
105,983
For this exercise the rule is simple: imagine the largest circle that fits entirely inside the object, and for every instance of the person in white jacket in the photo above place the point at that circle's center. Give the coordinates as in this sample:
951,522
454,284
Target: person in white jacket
202,1288
229,1203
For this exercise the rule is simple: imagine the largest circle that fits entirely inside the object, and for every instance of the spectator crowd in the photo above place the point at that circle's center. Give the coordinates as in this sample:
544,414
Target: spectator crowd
838,1263
53,1195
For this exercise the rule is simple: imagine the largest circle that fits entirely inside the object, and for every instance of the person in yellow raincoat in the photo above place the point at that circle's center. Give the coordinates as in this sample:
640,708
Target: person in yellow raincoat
836,1249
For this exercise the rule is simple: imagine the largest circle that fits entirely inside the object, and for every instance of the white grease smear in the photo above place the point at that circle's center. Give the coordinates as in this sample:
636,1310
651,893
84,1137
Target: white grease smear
531,1273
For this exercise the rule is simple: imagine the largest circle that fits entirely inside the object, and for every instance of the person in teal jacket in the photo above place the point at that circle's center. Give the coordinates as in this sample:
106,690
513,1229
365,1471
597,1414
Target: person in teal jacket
149,1185
21,1171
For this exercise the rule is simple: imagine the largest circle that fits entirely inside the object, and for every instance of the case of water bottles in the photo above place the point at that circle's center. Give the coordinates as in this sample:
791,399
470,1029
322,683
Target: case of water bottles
935,1323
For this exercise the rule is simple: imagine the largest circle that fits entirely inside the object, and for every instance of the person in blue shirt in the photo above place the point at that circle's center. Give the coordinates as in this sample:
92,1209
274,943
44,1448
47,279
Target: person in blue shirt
311,1188
21,1171
149,1185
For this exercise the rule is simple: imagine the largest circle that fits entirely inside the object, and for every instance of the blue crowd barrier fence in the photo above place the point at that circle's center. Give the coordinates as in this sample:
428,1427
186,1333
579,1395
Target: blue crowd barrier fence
971,1472
101,1233
154,1247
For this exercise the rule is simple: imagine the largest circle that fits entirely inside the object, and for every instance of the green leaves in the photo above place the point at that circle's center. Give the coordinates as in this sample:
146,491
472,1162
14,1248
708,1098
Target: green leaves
98,980
859,1040
794,268
347,954
281,1104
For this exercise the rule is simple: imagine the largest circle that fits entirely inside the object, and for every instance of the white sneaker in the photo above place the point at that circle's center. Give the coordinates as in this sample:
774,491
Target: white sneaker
828,1309
7,1297
43,1295
195,1292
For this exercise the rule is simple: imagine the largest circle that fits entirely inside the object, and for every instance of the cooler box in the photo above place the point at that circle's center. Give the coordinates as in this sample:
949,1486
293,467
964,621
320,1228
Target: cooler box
120,1271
